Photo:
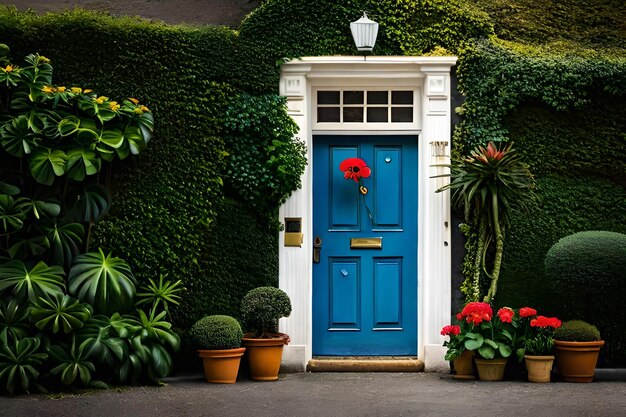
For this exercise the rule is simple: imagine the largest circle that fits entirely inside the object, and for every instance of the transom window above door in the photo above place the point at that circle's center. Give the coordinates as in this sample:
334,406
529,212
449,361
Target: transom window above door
374,109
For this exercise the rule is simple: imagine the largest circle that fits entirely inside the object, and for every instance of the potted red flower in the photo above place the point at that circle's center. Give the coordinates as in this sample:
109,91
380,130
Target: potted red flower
489,337
462,359
536,343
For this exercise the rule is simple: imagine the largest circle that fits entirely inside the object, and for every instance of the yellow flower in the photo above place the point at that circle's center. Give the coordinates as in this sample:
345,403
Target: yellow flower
101,99
87,90
114,106
9,68
134,100
138,111
77,90
48,89
144,108
61,89
43,59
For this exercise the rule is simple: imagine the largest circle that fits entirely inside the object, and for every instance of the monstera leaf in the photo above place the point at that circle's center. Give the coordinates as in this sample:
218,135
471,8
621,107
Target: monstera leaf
12,212
103,281
17,138
65,241
60,312
40,281
46,163
18,363
90,204
82,162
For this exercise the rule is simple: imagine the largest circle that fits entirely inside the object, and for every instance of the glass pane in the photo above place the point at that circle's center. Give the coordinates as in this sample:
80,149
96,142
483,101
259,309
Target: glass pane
353,114
328,114
353,97
377,97
377,115
402,97
402,114
328,97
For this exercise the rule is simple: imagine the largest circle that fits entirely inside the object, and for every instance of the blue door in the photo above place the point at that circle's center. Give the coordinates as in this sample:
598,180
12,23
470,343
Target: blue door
365,272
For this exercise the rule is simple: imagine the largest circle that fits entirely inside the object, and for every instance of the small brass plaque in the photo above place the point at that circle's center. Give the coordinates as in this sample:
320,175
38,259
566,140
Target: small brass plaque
366,243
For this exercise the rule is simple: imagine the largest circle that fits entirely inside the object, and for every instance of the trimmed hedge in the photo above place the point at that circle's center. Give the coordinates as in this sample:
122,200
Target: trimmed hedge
586,267
577,331
216,332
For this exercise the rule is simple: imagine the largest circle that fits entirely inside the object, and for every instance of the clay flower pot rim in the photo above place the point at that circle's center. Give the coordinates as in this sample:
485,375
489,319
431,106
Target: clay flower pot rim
539,357
568,343
494,360
223,353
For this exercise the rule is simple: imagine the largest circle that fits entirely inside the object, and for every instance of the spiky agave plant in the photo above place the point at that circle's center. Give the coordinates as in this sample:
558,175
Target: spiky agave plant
488,185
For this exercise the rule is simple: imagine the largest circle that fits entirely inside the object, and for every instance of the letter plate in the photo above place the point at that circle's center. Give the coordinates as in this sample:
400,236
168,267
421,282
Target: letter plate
366,243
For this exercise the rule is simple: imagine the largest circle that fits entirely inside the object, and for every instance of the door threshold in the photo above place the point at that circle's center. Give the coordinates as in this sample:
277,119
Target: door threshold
365,364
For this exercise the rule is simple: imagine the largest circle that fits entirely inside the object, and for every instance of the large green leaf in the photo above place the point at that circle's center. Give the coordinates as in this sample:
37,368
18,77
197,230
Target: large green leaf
73,363
46,163
82,162
17,139
14,323
103,281
29,247
65,241
90,204
40,281
102,340
61,312
12,213
486,351
18,364
50,208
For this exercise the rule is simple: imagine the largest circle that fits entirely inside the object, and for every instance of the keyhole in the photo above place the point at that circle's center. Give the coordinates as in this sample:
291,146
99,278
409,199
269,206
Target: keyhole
344,272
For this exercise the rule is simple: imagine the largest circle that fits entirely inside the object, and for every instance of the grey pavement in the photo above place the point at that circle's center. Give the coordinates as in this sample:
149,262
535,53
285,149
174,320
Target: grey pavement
337,394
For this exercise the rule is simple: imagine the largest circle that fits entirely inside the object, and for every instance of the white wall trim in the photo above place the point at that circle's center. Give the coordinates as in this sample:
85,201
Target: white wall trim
431,76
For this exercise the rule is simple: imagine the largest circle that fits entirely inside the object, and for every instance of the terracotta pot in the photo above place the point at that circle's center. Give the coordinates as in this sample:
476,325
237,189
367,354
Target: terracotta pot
491,369
264,356
464,365
576,361
221,366
539,367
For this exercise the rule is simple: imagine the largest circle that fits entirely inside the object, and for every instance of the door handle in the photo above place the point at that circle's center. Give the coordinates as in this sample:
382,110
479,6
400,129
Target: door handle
317,249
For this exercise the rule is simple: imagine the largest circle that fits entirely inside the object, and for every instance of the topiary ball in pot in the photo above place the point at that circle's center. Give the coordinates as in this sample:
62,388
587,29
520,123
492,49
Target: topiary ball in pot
216,333
262,307
577,331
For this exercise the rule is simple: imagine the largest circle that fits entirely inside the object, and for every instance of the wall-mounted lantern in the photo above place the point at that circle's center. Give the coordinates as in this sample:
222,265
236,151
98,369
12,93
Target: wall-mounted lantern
364,32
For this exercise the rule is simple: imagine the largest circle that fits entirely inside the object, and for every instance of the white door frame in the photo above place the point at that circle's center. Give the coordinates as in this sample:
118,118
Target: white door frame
430,76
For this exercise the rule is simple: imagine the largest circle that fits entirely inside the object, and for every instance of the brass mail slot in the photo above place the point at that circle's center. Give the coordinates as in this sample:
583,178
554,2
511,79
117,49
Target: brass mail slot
366,243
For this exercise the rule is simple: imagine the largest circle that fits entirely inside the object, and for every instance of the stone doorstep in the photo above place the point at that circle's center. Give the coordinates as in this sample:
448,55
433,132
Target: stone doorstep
365,364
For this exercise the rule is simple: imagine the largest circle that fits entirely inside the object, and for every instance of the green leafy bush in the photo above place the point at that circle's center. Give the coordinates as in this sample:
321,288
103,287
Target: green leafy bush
587,269
265,162
577,331
60,313
262,307
216,332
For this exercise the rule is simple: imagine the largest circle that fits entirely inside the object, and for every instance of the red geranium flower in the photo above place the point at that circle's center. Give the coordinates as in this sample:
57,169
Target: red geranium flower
527,312
355,169
506,314
477,312
542,321
450,330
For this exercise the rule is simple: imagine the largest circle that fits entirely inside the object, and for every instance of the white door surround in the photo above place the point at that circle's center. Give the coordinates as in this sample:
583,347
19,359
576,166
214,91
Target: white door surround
429,77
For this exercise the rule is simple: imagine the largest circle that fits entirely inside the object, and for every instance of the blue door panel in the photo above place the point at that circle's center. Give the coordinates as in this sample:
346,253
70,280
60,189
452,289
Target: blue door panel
388,187
365,300
387,292
345,291
344,206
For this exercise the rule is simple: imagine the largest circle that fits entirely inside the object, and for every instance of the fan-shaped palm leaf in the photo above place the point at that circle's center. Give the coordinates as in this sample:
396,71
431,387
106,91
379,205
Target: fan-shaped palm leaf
40,281
103,281
61,312
18,363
